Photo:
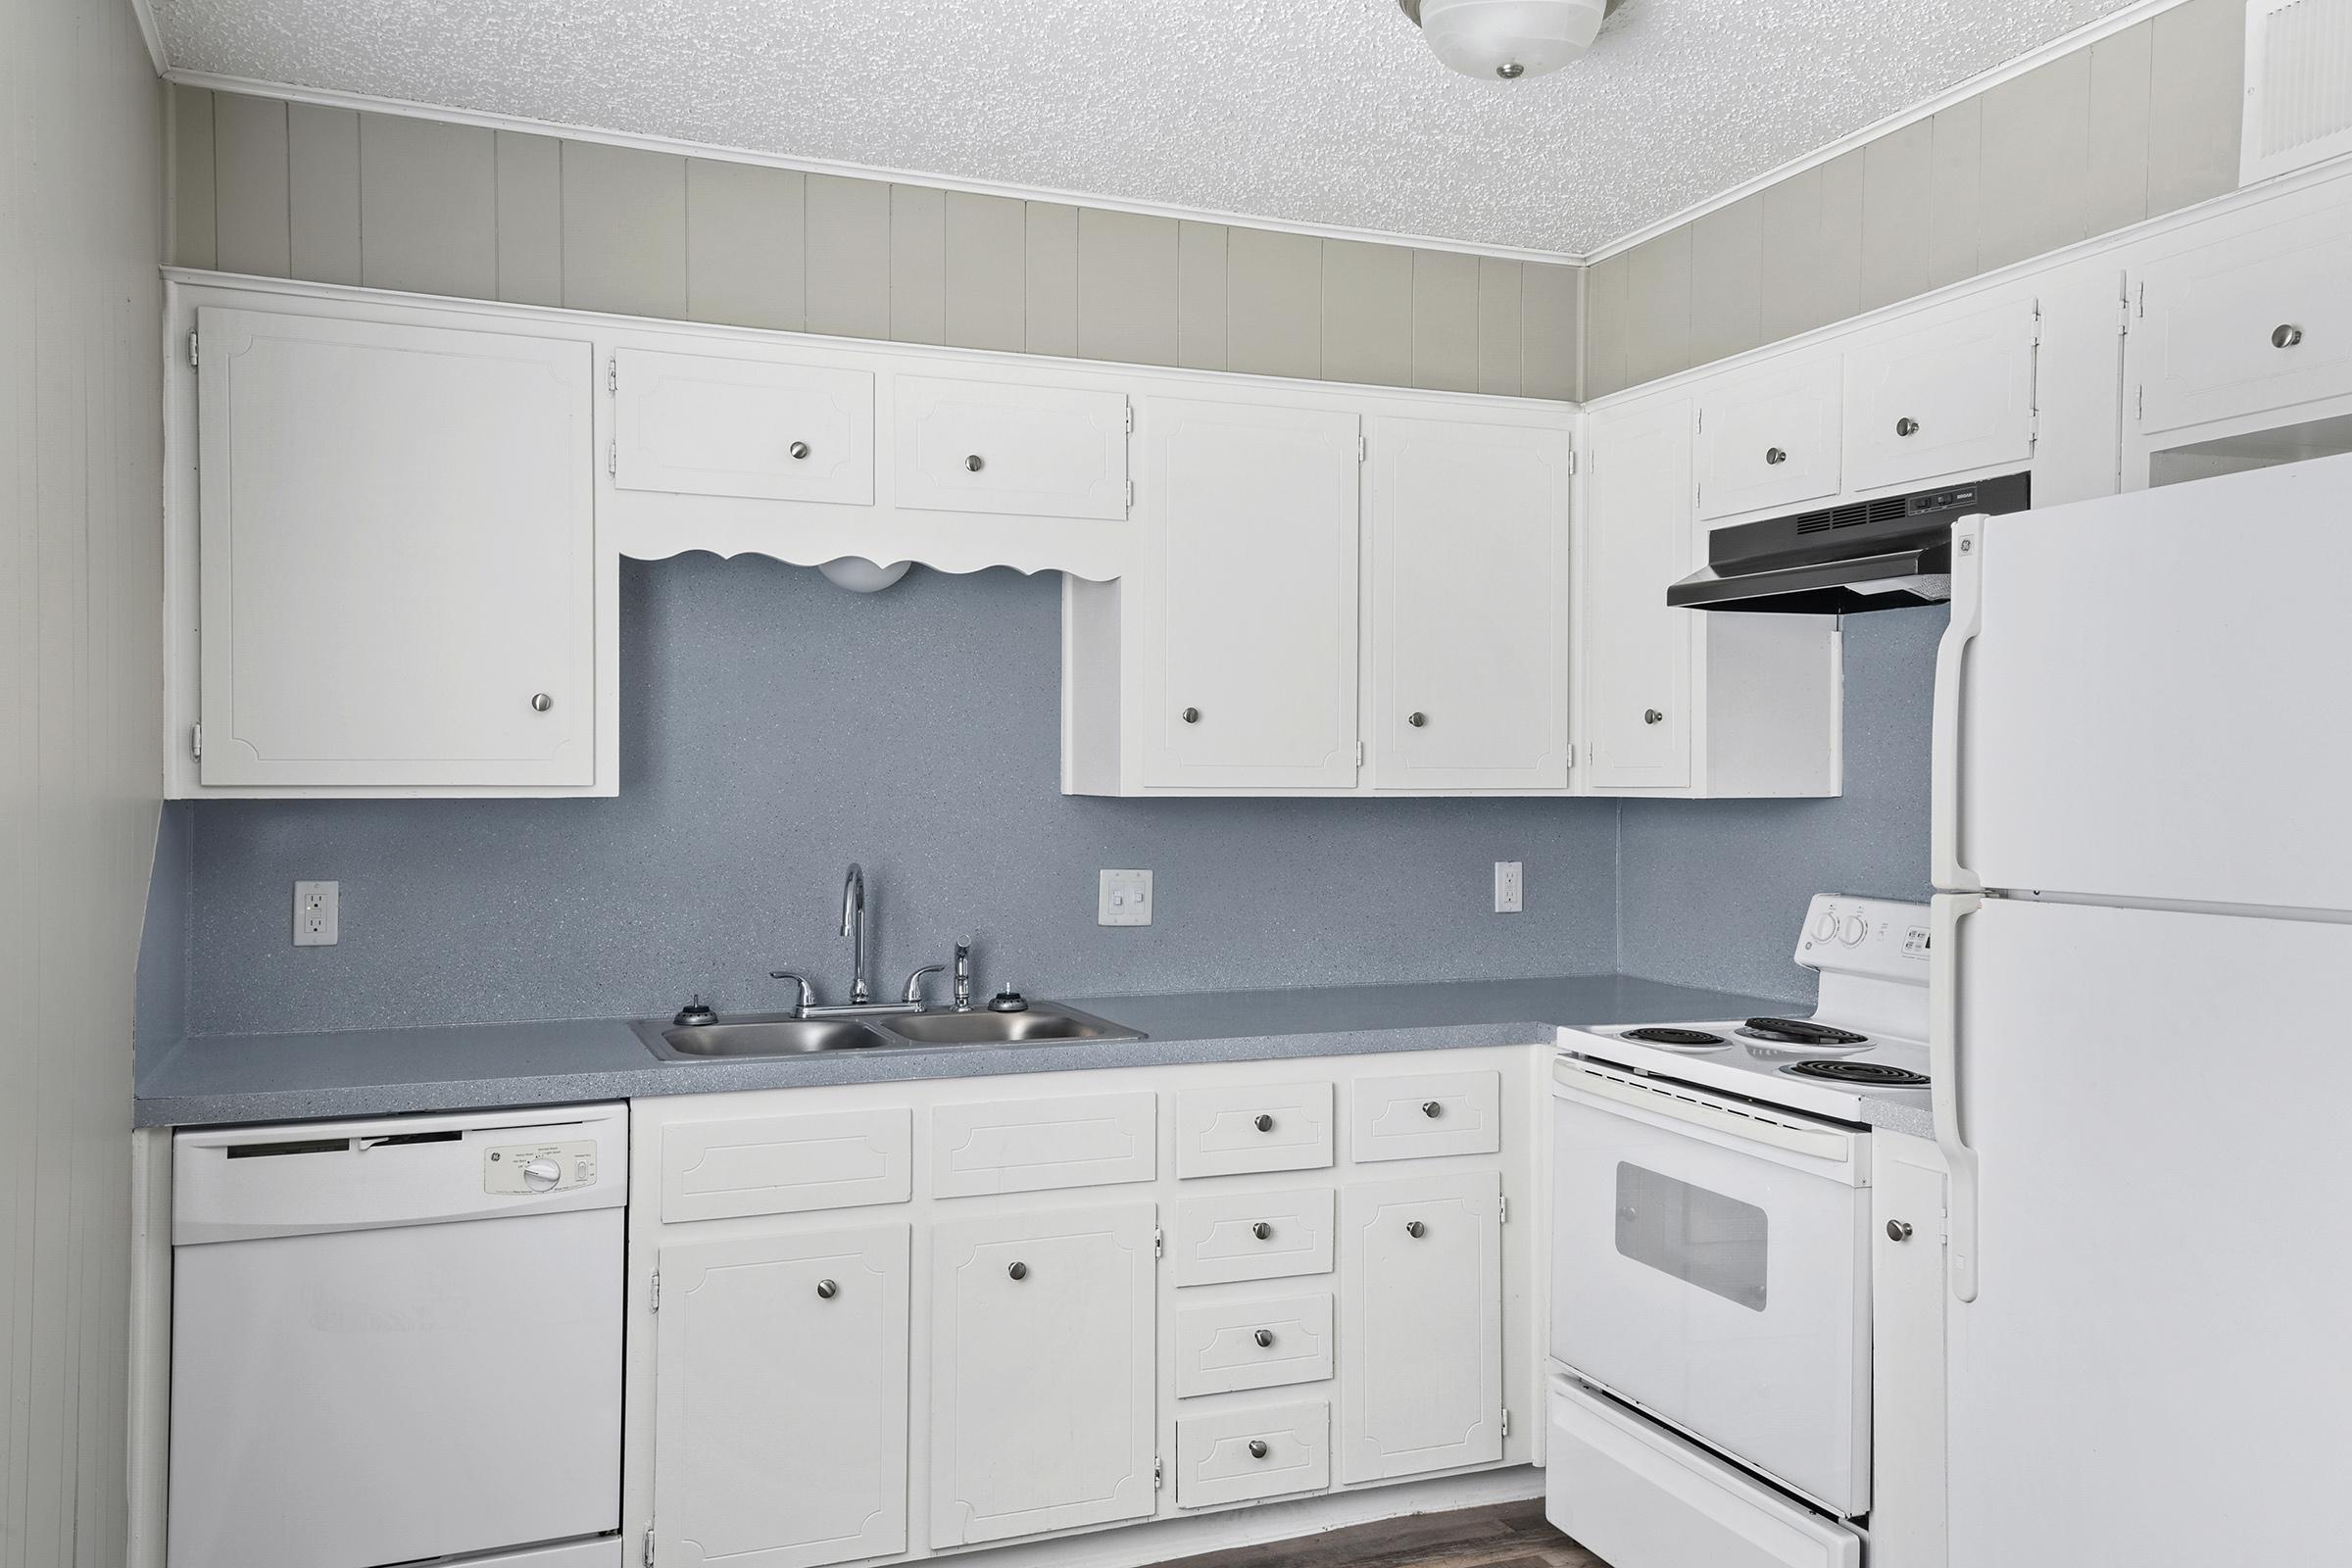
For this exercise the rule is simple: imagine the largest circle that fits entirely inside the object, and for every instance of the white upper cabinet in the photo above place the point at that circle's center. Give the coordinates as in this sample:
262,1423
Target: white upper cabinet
1034,451
1952,395
1771,438
1467,529
1249,588
1637,647
396,577
750,424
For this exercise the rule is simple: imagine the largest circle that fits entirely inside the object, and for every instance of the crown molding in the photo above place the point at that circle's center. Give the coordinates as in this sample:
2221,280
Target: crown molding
150,34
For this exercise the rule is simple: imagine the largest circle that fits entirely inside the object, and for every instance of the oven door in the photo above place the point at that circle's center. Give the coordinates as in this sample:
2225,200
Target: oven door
1710,1264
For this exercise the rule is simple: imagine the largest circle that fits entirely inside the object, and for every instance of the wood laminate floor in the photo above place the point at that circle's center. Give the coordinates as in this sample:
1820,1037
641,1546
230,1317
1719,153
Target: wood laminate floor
1507,1534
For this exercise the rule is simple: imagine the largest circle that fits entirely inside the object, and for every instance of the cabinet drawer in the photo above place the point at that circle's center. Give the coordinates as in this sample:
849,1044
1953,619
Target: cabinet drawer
1034,451
1235,1455
1253,1344
718,426
2258,322
1951,396
1228,1132
1027,1146
1218,1238
1769,440
786,1164
1424,1115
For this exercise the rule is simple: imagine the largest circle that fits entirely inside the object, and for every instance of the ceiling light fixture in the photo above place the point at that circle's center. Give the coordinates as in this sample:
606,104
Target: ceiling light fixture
1507,40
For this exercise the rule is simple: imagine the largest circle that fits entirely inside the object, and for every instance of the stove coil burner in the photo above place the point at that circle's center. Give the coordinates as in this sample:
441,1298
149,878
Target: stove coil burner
1800,1032
1658,1036
1873,1074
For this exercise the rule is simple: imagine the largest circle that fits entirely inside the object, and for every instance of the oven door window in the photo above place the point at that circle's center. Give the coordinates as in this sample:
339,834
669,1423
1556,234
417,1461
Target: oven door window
1700,1237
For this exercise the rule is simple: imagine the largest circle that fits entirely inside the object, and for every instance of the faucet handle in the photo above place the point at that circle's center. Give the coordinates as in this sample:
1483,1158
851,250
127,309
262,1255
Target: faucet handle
915,983
808,991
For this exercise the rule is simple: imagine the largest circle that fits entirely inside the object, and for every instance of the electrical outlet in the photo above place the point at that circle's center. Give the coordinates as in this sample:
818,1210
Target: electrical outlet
1125,898
1506,887
314,913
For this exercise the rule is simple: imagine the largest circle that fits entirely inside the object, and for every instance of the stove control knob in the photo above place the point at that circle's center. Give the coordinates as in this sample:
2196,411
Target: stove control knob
1825,928
1853,931
540,1173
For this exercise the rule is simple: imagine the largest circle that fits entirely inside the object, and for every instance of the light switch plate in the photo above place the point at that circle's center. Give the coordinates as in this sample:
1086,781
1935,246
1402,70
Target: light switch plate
1506,887
1125,898
314,913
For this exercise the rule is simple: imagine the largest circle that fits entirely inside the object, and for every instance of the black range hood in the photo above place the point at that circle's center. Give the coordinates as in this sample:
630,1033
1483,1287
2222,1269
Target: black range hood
1888,553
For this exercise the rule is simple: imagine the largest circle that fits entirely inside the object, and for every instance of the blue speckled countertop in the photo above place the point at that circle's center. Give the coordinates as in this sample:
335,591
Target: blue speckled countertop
236,1078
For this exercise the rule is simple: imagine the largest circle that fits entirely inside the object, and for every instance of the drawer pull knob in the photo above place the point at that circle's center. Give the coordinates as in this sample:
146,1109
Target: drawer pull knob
1019,1271
541,702
826,1290
1263,1231
2285,336
1416,719
1774,456
799,450
1431,1109
973,465
1651,716
1264,1339
1898,1230
1415,1229
1264,1123
1906,426
1191,715
1257,1448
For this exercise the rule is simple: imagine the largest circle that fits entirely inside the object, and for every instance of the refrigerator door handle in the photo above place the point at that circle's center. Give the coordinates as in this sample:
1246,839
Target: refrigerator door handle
1951,662
1943,1069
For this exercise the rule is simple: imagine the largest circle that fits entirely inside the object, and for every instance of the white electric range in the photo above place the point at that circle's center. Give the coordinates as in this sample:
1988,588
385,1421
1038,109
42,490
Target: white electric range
1710,1304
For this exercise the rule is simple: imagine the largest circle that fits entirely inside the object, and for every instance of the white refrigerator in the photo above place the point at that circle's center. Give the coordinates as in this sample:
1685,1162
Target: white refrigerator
2142,1033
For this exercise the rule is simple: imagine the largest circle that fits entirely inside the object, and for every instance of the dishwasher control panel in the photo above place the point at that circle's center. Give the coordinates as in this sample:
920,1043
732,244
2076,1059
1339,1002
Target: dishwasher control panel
532,1168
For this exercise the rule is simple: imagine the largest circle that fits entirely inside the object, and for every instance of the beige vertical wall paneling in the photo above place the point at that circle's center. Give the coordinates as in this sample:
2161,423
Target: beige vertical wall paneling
1727,275
1052,283
744,244
1445,322
1895,207
530,219
2116,168
1367,313
2036,171
2197,81
1549,340
918,263
1955,171
1657,300
1499,309
428,206
848,233
987,240
323,192
1127,265
250,208
1200,296
1273,303
625,230
1607,327
193,166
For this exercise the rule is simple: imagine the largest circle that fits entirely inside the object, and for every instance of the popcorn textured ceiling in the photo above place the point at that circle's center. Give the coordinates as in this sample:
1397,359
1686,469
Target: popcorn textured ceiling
1307,111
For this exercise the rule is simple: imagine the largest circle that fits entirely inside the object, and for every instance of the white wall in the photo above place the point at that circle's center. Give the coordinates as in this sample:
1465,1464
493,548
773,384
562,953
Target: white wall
81,564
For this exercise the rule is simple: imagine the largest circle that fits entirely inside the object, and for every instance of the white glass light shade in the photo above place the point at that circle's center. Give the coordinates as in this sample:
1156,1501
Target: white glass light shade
1510,38
861,575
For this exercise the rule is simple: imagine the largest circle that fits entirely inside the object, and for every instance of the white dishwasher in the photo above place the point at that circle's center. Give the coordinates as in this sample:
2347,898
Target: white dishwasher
399,1339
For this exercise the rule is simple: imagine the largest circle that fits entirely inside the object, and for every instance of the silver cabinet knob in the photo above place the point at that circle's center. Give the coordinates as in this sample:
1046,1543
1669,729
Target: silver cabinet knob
1019,1271
1898,1230
1906,426
974,463
1651,716
1264,1123
1774,456
541,702
2285,336
1416,719
1415,1229
1263,1231
1191,715
799,450
1257,1448
1430,1107
826,1290
1264,1339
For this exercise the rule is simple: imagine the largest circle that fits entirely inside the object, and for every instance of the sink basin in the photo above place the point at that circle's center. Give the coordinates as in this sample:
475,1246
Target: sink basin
766,1035
1043,1023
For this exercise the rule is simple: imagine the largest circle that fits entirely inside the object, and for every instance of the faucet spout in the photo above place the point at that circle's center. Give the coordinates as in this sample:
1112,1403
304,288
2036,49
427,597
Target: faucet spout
852,926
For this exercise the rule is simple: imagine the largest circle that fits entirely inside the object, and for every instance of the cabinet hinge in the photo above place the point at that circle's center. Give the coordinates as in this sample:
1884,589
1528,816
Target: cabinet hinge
612,375
1363,448
2123,311
1159,1241
1131,495
1131,419
612,458
1505,1208
1572,461
196,741
2140,402
1699,423
2139,298
1571,759
1506,1430
648,1558
657,1290
1158,1471
2038,323
1359,753
191,351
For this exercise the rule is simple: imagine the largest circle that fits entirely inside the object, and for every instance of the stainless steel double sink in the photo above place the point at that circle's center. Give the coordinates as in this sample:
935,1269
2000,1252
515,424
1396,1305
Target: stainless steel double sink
782,1034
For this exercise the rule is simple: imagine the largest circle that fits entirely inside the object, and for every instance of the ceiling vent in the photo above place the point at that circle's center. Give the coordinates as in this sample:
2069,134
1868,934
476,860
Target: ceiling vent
2298,86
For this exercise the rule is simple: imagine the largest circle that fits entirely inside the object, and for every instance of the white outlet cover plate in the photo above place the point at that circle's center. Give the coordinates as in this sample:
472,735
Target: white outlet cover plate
1506,887
317,914
1125,898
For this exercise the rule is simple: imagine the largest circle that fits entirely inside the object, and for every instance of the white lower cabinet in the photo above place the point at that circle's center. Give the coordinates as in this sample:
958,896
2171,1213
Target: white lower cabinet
1907,1352
1421,1325
780,1420
1042,1407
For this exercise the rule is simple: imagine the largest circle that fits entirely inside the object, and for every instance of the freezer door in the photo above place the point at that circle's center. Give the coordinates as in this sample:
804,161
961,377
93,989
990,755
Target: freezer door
2153,1368
2144,696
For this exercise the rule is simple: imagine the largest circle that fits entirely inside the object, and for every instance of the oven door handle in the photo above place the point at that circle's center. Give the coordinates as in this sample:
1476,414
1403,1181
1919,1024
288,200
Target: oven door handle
1572,1082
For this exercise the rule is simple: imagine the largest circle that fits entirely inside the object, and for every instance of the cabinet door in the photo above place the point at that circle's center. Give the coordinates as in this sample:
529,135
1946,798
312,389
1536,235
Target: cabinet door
1906,1352
1041,1357
1421,1325
1469,627
780,1405
1250,586
999,446
1952,396
1770,439
397,555
722,425
2256,321
1636,649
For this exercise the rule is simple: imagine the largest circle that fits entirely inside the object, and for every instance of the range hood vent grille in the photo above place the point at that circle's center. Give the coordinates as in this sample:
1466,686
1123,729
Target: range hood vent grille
1853,514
